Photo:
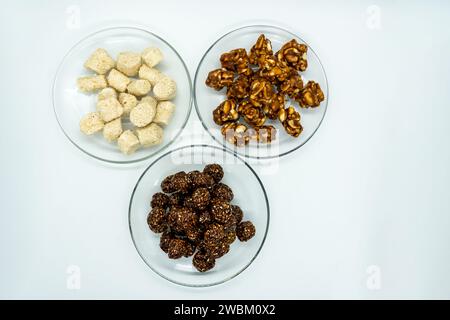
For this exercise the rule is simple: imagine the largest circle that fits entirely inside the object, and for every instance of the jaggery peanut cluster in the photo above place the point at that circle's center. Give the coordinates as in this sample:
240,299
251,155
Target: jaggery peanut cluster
258,86
226,112
252,114
237,61
293,54
195,217
239,134
220,78
291,121
311,95
260,51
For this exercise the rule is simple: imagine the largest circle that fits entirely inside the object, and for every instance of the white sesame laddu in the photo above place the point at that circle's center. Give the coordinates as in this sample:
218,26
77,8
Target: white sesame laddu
165,89
118,80
150,135
99,61
91,123
128,143
128,102
142,114
164,112
106,93
129,63
109,109
150,74
139,87
152,56
91,83
150,100
113,130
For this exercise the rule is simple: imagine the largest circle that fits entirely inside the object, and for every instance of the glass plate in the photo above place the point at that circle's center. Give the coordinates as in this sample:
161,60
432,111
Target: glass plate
70,104
249,193
206,98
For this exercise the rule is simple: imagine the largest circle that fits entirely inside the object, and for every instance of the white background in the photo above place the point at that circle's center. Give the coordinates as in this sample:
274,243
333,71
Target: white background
371,188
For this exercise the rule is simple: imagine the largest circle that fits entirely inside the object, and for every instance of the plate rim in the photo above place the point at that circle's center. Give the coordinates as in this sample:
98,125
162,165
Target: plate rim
191,146
235,149
118,27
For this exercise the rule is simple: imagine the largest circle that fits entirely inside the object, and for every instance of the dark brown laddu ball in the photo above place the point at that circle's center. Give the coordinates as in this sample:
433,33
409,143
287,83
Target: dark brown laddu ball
157,220
245,230
179,248
174,218
167,185
221,212
181,182
205,218
200,180
188,202
230,235
194,235
215,171
237,212
165,240
217,249
189,219
203,262
190,249
214,232
160,200
175,199
192,175
223,192
200,198
182,219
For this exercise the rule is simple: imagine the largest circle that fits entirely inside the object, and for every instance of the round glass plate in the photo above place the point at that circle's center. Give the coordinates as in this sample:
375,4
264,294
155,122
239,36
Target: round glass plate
249,194
207,99
70,104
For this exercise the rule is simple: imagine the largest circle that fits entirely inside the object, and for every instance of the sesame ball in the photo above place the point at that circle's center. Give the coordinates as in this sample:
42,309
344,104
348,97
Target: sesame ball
204,218
160,200
237,212
194,235
157,220
217,249
245,230
179,248
230,236
167,185
165,240
200,198
182,218
203,262
221,212
215,171
181,182
175,199
223,192
214,232
200,180
188,202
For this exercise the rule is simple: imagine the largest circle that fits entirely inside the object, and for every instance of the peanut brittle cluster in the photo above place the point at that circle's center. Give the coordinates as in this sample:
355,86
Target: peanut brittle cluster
195,217
258,85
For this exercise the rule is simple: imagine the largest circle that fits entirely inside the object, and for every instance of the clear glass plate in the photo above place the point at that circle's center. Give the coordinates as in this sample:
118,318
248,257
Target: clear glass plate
70,104
249,194
207,99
